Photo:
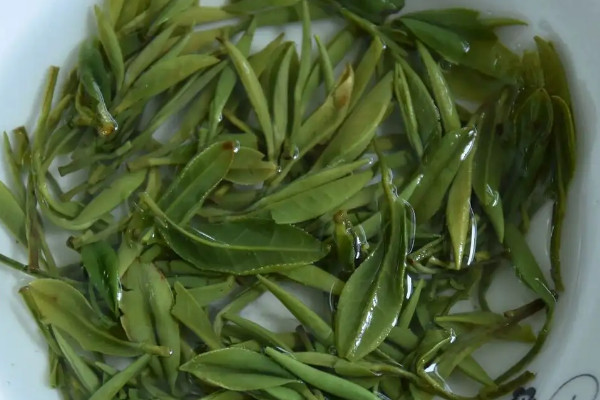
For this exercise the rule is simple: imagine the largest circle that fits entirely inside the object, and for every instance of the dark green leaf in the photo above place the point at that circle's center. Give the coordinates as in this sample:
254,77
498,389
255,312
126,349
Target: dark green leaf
241,248
372,298
526,266
101,263
440,165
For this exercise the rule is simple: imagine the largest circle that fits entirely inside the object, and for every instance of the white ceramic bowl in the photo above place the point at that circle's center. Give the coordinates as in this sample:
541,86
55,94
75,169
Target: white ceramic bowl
37,33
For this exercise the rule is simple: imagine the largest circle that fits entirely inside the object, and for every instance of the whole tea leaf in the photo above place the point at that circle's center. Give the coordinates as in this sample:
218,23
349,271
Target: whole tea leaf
564,145
190,313
427,114
108,200
255,94
237,369
101,264
311,181
487,171
441,91
146,305
463,21
322,380
162,76
147,56
372,298
526,266
84,373
448,43
365,70
243,247
254,6
439,167
281,99
227,81
63,307
111,45
327,118
187,192
458,210
555,76
261,334
356,132
305,315
318,201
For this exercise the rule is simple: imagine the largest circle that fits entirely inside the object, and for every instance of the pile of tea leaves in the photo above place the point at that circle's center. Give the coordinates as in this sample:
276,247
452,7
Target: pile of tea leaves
392,169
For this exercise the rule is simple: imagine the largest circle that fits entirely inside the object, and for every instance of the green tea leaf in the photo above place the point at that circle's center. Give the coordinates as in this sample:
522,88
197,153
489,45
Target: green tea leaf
448,43
324,121
526,266
146,305
111,45
311,181
226,83
162,76
110,389
147,56
555,76
101,264
564,146
255,94
426,112
249,168
84,373
205,295
313,276
440,165
318,201
257,6
107,200
184,197
63,307
365,70
372,298
243,247
305,315
237,369
193,316
281,99
12,215
261,334
441,91
375,10
356,132
327,382
458,210
487,171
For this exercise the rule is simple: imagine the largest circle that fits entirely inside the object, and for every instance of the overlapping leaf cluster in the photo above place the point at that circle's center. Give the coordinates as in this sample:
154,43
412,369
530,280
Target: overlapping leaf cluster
395,181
